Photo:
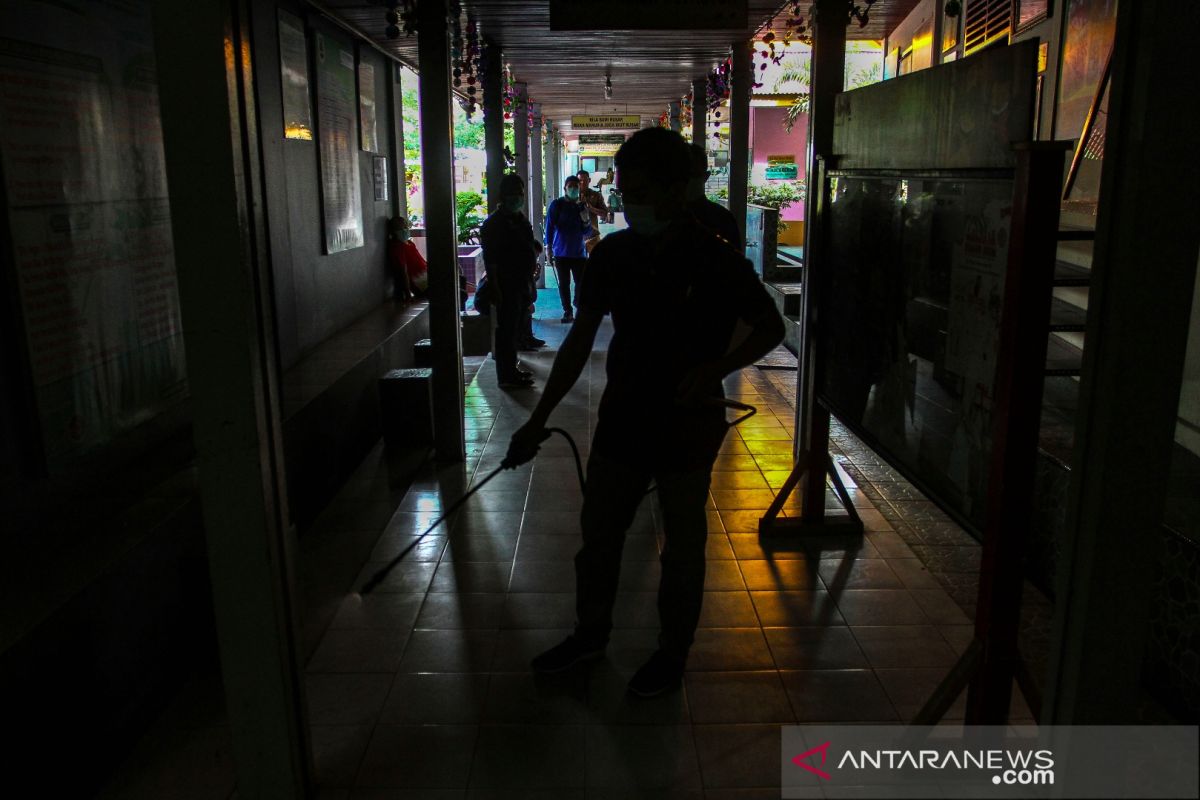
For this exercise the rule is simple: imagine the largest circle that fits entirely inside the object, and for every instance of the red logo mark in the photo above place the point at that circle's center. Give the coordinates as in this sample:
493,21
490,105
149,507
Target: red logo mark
823,749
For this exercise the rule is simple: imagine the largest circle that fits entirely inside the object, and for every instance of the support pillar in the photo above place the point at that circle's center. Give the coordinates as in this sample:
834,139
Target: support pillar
828,77
537,197
673,116
437,166
493,121
553,165
700,112
213,163
396,166
742,80
1137,329
521,137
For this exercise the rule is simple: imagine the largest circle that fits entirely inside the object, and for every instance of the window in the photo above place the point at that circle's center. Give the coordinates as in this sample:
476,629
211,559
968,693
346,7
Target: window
986,21
1030,13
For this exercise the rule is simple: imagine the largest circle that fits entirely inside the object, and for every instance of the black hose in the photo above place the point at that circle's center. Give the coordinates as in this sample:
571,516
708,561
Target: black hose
575,452
382,573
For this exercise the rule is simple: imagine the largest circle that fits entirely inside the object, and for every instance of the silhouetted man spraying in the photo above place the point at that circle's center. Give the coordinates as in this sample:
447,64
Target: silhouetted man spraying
675,292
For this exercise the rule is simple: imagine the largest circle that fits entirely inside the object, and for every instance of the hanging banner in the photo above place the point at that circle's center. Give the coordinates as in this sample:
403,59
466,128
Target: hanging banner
600,144
600,122
648,15
341,196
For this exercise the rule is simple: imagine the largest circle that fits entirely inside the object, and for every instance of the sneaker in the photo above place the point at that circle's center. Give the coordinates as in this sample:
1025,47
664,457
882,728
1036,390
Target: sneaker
568,317
518,381
566,654
661,673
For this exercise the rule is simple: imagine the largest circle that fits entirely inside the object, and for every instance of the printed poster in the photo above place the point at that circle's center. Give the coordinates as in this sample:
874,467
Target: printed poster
86,191
337,111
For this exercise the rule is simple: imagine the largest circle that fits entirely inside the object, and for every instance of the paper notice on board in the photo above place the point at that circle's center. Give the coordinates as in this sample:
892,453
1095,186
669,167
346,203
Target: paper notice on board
81,143
977,296
337,113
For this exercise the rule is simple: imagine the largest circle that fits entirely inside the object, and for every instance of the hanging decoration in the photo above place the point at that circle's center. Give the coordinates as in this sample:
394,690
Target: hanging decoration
401,16
796,28
685,111
466,60
509,93
717,89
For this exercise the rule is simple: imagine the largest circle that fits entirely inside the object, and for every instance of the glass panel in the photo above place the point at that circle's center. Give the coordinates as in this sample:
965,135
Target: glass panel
1031,11
912,336
950,29
1183,492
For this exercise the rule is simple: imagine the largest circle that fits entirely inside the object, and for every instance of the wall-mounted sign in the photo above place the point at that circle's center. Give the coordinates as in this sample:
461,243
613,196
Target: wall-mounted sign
366,107
599,122
600,144
380,174
648,15
781,168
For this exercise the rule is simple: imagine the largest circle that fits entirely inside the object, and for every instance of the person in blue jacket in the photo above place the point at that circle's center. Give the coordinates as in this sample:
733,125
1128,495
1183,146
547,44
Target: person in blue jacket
568,226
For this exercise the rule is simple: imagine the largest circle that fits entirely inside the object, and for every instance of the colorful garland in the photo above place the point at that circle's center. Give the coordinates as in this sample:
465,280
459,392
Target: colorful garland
466,56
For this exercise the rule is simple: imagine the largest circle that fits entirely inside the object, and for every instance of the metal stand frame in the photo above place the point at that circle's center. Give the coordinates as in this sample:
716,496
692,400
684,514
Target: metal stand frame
992,661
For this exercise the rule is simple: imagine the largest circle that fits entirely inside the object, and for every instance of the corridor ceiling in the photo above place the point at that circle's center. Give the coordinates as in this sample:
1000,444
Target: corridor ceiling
565,70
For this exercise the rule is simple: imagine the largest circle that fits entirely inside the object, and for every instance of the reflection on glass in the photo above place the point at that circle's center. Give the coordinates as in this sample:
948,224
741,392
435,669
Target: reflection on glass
1031,11
910,345
950,30
1183,487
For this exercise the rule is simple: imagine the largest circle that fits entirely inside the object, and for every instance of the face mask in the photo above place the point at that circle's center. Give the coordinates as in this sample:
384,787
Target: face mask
514,204
695,189
642,220
573,194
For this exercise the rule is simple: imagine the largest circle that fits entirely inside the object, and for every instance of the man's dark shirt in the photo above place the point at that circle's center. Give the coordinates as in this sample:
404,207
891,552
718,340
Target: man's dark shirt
509,249
718,219
674,304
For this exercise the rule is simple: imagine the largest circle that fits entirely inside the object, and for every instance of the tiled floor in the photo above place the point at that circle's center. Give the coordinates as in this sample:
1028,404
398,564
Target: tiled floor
422,688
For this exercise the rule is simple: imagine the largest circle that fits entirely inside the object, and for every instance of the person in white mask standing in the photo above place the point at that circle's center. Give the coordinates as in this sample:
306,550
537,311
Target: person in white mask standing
675,292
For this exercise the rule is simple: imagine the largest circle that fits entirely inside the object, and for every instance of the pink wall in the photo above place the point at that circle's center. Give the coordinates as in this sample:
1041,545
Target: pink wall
768,138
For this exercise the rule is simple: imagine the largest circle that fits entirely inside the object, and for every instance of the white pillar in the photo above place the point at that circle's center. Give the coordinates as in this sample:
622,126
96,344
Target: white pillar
437,165
521,133
742,80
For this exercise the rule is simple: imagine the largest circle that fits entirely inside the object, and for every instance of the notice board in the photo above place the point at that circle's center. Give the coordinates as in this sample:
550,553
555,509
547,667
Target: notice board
917,256
337,117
